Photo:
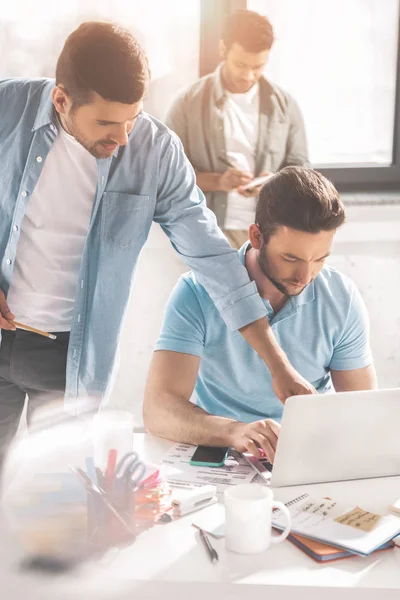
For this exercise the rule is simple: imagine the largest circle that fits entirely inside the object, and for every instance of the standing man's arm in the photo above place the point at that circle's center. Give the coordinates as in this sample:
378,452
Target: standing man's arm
296,147
227,181
352,366
191,227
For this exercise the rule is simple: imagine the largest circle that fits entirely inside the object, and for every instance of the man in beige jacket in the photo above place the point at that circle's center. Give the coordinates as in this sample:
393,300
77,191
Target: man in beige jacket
235,125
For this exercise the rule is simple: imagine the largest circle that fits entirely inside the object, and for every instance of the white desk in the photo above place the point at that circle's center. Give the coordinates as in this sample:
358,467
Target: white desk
169,562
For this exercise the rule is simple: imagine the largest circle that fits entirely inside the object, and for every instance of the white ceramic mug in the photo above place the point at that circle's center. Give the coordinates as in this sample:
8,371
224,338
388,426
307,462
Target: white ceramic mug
248,513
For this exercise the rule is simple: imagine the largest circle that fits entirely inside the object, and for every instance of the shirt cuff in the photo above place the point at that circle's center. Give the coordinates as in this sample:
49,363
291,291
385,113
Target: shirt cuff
177,346
351,364
242,307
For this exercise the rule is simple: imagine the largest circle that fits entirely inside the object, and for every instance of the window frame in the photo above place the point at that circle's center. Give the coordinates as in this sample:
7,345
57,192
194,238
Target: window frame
369,178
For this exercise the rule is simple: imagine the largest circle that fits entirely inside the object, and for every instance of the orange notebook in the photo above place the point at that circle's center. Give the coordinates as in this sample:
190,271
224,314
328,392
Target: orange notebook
323,552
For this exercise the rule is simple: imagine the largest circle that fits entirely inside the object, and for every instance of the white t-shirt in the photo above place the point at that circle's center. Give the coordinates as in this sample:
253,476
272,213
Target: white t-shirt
241,115
53,234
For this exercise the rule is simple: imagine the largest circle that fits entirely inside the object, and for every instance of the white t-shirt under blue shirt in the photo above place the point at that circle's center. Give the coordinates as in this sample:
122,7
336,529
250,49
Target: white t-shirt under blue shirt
325,327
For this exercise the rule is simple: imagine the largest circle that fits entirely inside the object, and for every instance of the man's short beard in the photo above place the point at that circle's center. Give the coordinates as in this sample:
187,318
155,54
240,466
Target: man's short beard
263,264
73,130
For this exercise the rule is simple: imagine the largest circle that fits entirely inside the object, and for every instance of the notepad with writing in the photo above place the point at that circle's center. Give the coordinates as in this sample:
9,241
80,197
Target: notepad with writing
348,528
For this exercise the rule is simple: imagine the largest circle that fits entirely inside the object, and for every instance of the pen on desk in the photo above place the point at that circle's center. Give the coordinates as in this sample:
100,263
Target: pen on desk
212,553
19,325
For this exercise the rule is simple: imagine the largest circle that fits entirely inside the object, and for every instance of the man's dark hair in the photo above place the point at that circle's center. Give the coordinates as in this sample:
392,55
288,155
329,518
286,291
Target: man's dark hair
249,29
301,199
104,58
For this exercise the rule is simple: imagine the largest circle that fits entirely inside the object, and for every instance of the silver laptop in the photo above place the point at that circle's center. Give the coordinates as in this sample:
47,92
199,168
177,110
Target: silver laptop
336,437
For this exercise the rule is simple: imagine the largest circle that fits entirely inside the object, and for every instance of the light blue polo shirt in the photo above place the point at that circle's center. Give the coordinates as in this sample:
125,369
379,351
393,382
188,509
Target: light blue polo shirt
325,327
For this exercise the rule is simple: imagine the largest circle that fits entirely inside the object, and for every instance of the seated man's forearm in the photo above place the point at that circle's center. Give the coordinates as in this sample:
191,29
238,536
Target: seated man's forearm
181,421
208,182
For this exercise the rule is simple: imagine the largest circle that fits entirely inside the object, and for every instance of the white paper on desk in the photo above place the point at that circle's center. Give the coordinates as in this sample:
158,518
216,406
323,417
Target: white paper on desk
211,520
325,529
181,474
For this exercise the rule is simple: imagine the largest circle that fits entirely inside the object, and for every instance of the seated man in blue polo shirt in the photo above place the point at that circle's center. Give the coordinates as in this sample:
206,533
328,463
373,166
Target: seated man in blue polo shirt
316,313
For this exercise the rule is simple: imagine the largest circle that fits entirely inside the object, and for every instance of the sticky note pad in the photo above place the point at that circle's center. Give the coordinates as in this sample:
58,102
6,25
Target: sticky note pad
360,519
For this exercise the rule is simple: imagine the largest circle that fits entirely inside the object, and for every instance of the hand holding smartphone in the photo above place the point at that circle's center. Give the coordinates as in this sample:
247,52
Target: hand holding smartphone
209,456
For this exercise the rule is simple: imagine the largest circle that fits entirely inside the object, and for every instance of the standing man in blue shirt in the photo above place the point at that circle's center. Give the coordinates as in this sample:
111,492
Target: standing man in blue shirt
83,173
316,314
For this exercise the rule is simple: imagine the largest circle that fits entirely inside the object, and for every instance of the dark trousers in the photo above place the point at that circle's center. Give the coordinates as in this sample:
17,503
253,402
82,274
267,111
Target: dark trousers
30,365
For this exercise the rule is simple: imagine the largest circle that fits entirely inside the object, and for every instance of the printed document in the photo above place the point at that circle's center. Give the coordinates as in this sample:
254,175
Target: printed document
181,474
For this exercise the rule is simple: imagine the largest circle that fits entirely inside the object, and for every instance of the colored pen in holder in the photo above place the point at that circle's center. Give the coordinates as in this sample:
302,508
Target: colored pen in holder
110,514
111,498
121,529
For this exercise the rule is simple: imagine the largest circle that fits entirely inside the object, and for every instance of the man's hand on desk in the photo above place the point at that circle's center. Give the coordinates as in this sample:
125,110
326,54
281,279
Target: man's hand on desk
252,436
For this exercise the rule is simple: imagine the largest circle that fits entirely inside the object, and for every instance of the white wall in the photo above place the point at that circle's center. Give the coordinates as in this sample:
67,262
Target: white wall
368,250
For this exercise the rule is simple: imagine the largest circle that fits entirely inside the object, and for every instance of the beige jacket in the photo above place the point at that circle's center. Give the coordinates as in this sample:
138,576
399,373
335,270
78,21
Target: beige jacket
196,116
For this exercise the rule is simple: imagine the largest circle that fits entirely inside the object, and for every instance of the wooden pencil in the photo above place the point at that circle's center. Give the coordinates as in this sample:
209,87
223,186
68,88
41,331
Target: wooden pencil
33,330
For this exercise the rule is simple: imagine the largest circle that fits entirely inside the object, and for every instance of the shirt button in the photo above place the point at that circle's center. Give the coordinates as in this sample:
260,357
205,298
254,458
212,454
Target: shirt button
8,261
102,179
24,194
15,227
39,159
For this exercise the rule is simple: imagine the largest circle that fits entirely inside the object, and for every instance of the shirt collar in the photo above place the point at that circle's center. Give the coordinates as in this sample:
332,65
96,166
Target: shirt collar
306,296
219,90
220,93
45,113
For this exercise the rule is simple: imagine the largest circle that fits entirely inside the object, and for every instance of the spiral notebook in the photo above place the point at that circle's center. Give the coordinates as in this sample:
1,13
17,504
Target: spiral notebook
346,527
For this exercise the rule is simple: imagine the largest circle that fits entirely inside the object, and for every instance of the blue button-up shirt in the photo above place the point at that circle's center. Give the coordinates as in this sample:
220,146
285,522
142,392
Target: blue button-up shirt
147,180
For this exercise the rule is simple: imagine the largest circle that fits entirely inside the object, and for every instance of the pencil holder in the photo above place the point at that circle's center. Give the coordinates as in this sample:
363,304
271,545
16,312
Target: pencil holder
110,518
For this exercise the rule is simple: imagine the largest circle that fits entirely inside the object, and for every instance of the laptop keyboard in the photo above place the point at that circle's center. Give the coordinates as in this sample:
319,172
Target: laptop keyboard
265,463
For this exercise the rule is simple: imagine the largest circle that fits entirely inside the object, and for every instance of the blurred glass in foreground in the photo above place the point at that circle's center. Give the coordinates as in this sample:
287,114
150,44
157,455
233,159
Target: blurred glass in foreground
74,487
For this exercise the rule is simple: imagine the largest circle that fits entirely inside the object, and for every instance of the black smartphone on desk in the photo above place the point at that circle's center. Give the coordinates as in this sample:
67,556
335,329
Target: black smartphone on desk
209,456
